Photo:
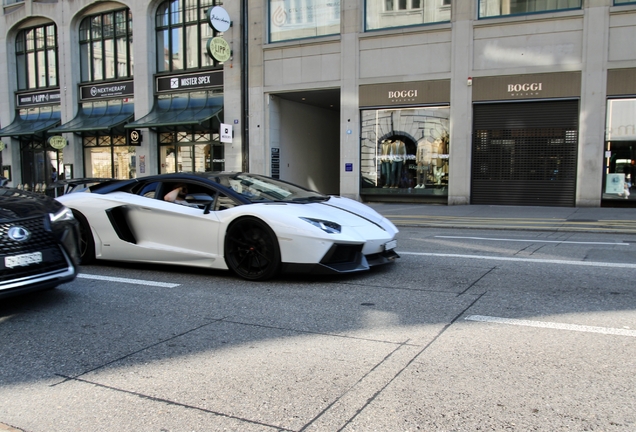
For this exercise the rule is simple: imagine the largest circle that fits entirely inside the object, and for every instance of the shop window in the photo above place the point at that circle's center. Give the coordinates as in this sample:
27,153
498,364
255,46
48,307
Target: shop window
619,158
36,57
381,14
109,157
106,46
190,152
182,31
405,151
497,8
300,19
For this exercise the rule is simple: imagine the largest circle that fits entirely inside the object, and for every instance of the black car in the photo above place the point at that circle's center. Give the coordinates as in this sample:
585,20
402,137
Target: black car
38,242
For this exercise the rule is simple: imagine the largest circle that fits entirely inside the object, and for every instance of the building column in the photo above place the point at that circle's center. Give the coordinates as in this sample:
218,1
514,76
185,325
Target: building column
593,104
461,113
349,100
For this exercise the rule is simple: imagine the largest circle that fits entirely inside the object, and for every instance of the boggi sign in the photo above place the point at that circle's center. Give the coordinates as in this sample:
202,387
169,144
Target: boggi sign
516,88
401,94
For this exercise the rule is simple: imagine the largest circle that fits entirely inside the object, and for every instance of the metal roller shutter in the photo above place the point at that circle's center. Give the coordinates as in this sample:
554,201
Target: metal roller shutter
525,153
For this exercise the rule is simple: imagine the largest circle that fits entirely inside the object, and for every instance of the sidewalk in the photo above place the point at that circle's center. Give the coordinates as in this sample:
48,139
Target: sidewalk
592,219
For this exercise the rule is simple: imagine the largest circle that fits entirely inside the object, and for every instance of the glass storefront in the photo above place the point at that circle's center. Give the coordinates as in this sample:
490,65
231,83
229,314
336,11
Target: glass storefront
109,157
405,151
190,152
620,150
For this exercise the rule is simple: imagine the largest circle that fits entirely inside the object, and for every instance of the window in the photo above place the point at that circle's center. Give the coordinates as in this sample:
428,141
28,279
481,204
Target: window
380,14
36,57
106,46
299,19
182,31
495,8
109,157
405,151
622,2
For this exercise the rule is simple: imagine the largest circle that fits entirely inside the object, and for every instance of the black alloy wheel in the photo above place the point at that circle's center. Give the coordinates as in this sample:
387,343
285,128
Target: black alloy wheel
251,249
86,242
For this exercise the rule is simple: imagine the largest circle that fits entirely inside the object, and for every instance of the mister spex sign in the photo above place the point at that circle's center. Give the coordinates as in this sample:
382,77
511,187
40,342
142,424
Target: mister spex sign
202,80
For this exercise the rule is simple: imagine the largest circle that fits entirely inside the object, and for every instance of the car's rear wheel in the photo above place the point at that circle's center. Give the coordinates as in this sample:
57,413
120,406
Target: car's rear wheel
87,243
251,249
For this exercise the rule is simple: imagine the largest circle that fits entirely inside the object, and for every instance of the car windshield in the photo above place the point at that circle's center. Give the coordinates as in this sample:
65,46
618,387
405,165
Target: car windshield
257,188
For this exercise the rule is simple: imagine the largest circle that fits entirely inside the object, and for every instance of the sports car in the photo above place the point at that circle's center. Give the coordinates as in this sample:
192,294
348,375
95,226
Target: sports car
254,225
39,240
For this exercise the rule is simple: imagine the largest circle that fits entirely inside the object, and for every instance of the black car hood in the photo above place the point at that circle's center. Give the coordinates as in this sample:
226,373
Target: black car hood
18,204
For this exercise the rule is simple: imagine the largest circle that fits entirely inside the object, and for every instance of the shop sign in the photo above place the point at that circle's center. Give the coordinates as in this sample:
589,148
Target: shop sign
134,137
219,49
201,80
39,98
58,142
525,89
101,91
510,87
2,145
226,133
219,19
407,93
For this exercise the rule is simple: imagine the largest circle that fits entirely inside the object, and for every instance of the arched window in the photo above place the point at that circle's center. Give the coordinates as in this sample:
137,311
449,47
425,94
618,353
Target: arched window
106,46
36,57
182,33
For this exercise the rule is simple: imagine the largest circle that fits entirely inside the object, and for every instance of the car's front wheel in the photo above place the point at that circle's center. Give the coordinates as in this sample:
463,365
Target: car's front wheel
86,243
251,249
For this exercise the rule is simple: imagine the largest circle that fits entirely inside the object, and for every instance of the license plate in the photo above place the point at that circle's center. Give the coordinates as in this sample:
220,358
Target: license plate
390,245
23,260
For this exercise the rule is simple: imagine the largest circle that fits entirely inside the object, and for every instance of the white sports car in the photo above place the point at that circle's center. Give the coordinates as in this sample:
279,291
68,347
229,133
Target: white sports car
253,225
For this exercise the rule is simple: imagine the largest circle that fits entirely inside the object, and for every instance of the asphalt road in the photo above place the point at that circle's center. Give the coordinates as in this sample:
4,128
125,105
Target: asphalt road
470,330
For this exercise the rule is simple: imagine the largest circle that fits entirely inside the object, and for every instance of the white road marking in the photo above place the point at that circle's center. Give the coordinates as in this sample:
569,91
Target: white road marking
552,325
527,260
534,240
129,281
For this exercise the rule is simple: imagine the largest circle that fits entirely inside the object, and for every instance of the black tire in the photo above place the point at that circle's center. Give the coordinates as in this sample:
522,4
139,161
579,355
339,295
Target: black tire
86,243
251,249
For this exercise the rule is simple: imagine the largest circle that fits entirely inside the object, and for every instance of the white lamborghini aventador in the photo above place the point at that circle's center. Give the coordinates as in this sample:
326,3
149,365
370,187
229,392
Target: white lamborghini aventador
253,225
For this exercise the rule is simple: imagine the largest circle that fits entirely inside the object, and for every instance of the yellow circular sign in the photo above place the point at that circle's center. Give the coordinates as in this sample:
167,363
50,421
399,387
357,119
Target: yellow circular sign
219,49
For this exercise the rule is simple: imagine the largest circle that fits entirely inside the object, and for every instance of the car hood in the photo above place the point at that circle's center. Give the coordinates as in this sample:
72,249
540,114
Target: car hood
354,207
18,204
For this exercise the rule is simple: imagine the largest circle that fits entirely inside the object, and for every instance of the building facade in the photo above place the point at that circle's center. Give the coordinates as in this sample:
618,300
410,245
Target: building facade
526,102
117,89
505,102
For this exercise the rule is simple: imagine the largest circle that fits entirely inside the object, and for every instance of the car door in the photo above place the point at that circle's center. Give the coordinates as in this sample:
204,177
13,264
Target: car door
166,232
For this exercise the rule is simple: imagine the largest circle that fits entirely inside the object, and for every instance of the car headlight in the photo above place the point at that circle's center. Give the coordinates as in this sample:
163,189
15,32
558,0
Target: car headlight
327,226
64,214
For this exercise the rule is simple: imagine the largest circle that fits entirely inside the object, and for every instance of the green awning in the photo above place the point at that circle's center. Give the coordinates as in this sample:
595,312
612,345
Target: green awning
180,110
32,121
99,117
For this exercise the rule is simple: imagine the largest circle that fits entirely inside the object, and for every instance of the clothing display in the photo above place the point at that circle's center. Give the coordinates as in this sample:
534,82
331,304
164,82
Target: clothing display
423,158
398,153
385,162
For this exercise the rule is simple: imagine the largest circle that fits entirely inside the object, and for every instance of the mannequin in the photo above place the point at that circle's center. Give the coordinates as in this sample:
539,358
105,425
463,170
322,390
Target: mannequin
385,162
398,150
423,159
